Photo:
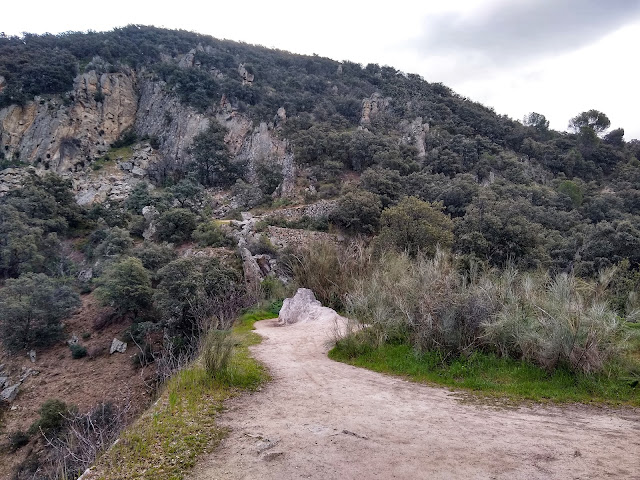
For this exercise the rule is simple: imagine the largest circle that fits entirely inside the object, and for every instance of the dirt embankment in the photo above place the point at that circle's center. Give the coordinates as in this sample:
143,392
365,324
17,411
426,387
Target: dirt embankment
325,420
82,382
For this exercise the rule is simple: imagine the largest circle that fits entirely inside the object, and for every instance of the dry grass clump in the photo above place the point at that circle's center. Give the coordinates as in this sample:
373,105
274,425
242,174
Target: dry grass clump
555,321
434,304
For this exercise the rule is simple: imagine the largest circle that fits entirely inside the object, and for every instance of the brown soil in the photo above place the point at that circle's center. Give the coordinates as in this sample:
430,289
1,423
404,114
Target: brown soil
82,382
326,420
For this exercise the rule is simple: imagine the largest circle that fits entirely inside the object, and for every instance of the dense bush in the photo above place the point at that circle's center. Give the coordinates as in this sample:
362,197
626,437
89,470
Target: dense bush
433,304
358,212
32,220
194,295
209,234
126,286
213,165
53,415
154,256
555,322
176,225
17,440
32,308
116,242
415,226
139,198
77,351
424,301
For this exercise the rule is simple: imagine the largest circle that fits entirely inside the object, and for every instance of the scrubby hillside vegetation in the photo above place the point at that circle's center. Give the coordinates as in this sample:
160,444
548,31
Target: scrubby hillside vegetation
449,230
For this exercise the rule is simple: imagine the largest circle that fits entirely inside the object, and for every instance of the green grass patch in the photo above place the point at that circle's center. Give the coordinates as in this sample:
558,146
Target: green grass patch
109,158
491,376
166,441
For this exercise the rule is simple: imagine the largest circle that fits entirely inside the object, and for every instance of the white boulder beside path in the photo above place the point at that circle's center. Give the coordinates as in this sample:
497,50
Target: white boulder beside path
303,307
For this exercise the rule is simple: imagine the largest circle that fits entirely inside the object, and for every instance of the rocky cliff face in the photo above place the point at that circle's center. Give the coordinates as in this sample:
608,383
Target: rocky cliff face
66,134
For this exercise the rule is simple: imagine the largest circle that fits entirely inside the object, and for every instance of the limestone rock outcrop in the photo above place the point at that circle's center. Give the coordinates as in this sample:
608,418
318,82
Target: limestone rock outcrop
415,133
371,106
67,133
9,394
255,146
247,77
64,134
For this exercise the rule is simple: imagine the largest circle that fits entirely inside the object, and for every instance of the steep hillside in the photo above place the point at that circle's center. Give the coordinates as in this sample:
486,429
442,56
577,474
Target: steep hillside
553,199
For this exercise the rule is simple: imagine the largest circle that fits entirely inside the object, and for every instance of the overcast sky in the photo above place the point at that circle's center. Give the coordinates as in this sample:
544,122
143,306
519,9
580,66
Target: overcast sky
555,57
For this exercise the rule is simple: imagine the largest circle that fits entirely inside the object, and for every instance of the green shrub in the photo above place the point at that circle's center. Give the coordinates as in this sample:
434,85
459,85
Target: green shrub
78,351
17,440
248,196
196,294
209,234
272,288
415,226
212,164
53,415
358,212
573,191
154,256
187,193
262,245
126,139
31,309
139,198
176,225
432,305
556,323
117,241
126,286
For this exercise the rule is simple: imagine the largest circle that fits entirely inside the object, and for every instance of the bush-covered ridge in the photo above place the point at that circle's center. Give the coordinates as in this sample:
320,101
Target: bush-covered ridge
517,192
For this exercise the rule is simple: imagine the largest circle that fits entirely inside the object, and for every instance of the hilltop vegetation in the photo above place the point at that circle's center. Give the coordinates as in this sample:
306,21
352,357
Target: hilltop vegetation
517,192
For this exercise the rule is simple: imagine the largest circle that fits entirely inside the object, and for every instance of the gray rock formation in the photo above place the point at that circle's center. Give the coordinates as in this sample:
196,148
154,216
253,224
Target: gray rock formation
174,124
252,273
303,307
150,214
4,381
85,275
9,394
60,137
247,78
117,346
415,133
32,356
67,133
372,106
256,146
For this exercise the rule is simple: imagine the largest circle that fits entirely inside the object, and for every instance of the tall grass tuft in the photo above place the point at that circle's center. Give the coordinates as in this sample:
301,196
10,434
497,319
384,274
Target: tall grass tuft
217,349
558,321
433,304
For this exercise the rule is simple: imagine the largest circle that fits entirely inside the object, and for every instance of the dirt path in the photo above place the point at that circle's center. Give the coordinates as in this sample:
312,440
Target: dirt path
325,420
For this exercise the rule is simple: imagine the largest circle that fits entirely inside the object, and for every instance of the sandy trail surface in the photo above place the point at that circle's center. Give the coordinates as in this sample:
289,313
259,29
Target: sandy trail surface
321,419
